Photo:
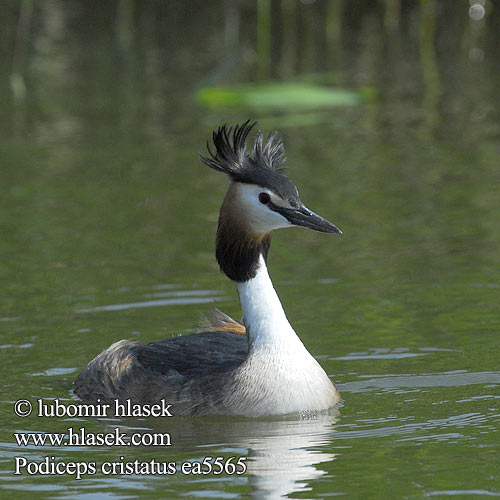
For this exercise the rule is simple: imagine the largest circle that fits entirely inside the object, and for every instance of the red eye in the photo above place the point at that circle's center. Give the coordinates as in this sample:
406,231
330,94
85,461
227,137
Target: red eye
264,198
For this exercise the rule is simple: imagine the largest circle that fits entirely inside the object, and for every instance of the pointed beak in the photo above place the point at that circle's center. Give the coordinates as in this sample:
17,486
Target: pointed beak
304,217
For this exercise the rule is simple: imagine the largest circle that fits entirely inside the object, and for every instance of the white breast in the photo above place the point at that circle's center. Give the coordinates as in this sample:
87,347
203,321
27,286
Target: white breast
279,376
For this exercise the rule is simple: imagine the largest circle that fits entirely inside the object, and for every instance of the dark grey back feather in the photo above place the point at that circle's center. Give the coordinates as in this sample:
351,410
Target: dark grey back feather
190,372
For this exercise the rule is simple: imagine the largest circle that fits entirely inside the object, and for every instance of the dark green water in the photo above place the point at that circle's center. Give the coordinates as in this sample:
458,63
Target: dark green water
105,203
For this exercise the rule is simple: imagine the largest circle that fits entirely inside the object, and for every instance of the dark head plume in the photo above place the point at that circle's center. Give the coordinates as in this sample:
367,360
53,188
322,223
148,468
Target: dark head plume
232,158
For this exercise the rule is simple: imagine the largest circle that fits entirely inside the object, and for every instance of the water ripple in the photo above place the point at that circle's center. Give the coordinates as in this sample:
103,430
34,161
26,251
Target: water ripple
419,428
451,379
181,300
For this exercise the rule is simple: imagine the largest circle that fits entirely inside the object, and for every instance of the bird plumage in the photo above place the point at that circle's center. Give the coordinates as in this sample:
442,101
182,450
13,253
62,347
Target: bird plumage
261,368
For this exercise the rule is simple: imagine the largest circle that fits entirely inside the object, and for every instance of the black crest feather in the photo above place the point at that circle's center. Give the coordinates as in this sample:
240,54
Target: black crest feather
232,158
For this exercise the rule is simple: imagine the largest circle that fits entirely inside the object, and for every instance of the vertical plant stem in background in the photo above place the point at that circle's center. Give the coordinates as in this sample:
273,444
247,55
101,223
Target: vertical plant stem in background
263,39
430,74
17,83
23,28
333,35
231,24
289,37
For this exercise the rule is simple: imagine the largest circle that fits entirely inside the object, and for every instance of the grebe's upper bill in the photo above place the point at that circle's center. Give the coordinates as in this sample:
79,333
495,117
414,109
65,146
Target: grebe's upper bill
302,216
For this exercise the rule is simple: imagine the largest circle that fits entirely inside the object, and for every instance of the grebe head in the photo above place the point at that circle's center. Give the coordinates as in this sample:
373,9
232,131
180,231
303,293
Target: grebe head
259,198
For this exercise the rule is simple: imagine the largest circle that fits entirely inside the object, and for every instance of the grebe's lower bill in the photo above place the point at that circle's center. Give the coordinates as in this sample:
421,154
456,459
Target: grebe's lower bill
253,369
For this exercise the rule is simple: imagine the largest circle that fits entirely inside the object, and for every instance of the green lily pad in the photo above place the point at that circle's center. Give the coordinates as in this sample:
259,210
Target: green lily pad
278,96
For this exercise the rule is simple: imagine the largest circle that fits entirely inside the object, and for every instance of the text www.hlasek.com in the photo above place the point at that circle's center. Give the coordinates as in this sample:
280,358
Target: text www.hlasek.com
82,438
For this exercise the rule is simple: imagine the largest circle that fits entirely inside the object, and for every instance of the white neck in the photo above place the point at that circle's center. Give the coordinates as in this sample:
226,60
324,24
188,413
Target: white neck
263,315
279,376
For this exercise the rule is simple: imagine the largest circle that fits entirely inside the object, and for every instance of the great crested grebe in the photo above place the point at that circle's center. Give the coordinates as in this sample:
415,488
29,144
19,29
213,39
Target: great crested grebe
261,368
